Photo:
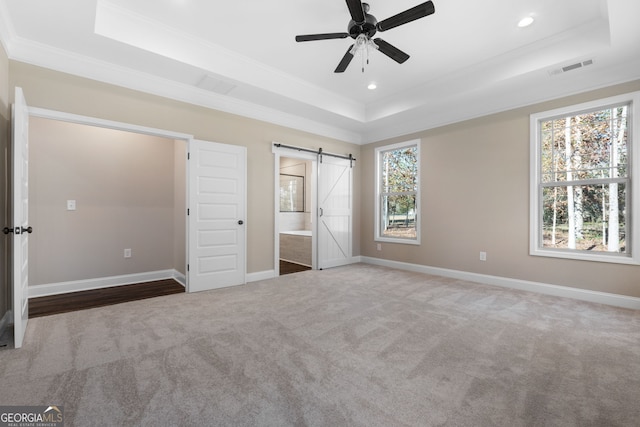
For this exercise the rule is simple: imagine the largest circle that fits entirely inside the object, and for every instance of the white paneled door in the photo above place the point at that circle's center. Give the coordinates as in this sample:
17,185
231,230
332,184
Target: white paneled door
21,227
217,215
334,212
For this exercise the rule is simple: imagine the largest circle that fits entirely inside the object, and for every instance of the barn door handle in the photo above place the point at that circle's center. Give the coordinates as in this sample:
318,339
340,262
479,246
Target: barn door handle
321,212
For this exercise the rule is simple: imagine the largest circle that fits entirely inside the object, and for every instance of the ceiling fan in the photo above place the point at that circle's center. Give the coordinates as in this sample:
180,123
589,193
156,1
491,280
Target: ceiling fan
363,26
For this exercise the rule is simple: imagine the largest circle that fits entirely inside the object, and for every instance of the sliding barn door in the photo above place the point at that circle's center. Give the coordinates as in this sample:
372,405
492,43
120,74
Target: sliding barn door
21,227
334,212
217,230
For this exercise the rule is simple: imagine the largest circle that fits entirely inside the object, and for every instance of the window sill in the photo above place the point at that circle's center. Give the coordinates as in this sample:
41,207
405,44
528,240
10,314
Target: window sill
571,255
415,242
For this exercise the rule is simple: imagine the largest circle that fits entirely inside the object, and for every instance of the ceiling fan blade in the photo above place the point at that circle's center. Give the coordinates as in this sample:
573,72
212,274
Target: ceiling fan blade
344,63
391,51
356,10
417,12
327,36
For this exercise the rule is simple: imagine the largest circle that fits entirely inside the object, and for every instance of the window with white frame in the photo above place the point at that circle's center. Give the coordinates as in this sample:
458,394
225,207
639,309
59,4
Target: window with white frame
584,199
398,193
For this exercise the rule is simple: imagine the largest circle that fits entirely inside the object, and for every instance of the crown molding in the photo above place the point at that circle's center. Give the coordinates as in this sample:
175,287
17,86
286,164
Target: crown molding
82,66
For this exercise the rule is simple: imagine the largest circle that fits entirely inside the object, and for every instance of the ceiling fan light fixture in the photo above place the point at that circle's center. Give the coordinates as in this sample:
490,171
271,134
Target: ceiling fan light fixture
525,22
363,43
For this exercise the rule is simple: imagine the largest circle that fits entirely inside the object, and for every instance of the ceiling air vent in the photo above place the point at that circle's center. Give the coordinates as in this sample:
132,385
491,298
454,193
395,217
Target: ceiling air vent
571,67
213,84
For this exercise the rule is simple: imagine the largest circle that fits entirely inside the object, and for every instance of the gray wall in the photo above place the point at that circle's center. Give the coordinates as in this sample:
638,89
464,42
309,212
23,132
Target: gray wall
126,189
475,197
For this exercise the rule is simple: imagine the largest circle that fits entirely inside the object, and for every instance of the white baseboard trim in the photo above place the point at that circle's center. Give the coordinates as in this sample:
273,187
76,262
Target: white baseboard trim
180,278
102,282
260,275
523,285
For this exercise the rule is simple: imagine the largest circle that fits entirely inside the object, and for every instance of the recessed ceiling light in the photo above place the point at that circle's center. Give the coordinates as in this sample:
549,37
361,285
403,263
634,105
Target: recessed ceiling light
525,22
372,86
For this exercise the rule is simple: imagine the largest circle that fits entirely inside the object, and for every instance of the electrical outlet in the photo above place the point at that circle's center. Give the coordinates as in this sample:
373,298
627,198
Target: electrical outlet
71,205
483,256
379,246
127,253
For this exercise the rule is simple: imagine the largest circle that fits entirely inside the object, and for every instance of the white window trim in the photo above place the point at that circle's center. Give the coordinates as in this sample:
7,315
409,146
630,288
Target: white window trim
377,236
535,222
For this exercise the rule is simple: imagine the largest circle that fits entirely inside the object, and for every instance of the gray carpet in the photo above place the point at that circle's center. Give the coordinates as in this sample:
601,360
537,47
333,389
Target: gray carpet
353,346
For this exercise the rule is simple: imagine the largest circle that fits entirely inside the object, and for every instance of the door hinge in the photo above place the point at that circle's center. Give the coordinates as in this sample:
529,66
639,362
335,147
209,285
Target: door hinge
187,211
187,267
188,156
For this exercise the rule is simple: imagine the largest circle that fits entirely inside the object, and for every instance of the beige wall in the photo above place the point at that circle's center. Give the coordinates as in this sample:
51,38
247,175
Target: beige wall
124,187
4,171
475,179
62,92
475,197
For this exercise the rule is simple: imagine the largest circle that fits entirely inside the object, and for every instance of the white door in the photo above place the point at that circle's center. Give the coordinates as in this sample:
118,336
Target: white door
217,229
21,228
334,212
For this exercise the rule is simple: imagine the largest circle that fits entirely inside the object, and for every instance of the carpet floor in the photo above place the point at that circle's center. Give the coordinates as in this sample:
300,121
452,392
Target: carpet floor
360,345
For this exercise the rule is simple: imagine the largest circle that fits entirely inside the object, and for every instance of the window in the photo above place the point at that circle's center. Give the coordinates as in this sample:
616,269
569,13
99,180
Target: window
291,193
398,194
583,195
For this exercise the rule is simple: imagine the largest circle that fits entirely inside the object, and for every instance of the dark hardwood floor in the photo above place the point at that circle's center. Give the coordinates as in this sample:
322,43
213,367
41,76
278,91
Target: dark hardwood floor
290,267
63,303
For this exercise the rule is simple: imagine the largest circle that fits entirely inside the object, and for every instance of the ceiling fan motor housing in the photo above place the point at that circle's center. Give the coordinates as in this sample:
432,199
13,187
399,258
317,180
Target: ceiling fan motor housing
369,27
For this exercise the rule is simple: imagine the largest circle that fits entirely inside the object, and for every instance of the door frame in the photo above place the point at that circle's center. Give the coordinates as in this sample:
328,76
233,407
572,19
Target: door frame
283,152
128,127
20,217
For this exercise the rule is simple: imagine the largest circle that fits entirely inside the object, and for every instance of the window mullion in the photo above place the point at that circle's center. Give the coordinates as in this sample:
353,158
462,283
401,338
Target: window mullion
602,181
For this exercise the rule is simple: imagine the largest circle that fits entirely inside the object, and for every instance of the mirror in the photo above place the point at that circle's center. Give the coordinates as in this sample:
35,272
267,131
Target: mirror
291,193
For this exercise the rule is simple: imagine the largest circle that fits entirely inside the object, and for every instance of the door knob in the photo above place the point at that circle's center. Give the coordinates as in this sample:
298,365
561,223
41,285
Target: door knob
240,222
7,230
29,229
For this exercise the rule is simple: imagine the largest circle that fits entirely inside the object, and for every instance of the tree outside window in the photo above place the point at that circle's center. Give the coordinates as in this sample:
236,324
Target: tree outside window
398,184
583,194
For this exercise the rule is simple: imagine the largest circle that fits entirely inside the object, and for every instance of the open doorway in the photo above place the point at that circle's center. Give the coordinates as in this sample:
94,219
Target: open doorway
108,204
331,198
295,214
295,211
